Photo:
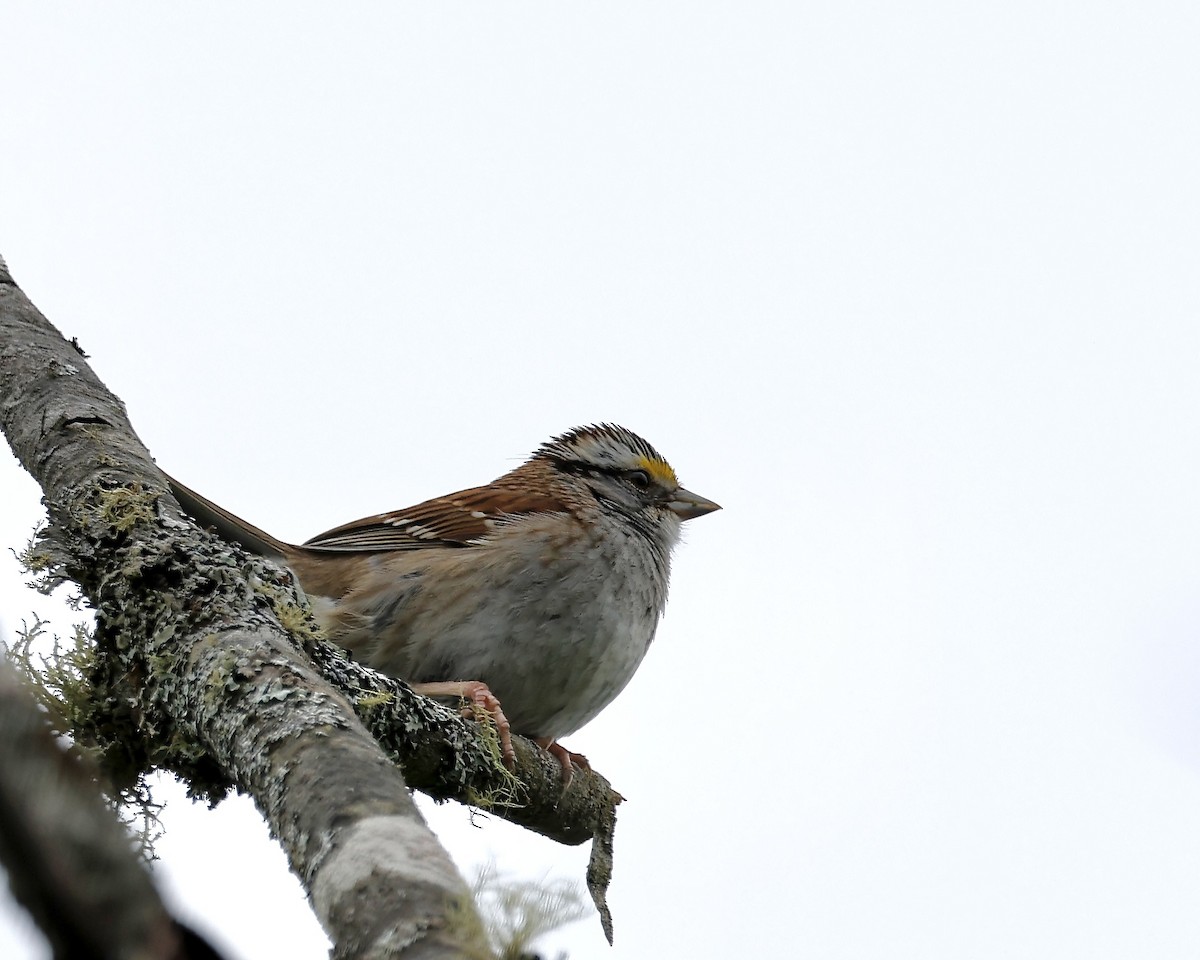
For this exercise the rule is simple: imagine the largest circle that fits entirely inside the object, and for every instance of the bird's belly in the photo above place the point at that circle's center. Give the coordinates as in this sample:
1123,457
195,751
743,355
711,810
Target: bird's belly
554,660
555,642
553,676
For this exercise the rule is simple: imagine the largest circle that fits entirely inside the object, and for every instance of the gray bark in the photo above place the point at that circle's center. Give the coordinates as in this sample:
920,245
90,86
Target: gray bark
195,672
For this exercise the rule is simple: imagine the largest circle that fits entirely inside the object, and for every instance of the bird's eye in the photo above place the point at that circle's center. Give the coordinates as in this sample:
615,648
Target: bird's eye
639,478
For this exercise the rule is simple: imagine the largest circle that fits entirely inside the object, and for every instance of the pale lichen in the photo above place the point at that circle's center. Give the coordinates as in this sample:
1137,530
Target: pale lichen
511,914
61,681
125,507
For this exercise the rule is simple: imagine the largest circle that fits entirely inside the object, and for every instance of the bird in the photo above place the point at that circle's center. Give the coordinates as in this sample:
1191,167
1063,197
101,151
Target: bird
535,596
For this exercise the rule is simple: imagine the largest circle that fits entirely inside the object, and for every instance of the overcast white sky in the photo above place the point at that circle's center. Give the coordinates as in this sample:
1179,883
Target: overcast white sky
911,289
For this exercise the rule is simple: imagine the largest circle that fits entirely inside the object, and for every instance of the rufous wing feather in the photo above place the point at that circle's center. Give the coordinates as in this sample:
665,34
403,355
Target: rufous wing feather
460,520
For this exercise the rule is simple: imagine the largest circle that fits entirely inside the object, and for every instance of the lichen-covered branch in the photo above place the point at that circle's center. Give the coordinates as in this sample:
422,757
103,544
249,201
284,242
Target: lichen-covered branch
441,755
197,670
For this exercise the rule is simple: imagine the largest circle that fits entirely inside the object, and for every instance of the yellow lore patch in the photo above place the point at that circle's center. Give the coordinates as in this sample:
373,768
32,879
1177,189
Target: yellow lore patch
660,470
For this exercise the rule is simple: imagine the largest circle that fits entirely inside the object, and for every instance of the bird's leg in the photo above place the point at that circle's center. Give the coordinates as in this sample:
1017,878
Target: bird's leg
476,693
564,757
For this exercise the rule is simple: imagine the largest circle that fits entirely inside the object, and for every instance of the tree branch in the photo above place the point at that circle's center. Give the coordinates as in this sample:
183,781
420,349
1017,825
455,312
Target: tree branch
196,673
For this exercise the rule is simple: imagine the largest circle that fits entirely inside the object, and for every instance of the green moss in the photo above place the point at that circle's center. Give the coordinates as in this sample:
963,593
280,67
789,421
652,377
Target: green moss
293,617
123,508
490,735
290,610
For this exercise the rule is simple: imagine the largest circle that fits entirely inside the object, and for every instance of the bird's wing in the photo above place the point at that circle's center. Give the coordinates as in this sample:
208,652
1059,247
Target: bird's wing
463,519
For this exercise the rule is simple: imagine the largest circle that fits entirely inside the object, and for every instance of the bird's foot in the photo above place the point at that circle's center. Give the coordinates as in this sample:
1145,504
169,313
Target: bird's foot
566,759
478,697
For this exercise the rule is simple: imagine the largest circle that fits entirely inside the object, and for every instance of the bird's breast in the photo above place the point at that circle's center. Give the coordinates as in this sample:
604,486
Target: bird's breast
556,625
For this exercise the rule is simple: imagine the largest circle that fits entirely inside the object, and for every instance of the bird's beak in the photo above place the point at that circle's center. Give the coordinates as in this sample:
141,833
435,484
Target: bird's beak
687,505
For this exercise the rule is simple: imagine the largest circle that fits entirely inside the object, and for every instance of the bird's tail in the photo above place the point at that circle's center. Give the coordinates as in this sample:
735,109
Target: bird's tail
226,524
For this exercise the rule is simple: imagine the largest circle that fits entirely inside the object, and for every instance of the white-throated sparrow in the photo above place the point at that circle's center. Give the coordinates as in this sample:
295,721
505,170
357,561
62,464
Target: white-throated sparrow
541,590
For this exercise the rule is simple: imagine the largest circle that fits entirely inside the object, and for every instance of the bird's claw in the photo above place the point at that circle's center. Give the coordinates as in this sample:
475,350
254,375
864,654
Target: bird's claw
566,759
478,697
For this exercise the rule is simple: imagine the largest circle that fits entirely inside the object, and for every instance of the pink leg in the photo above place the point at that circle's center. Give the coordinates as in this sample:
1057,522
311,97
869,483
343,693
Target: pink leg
564,757
477,693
